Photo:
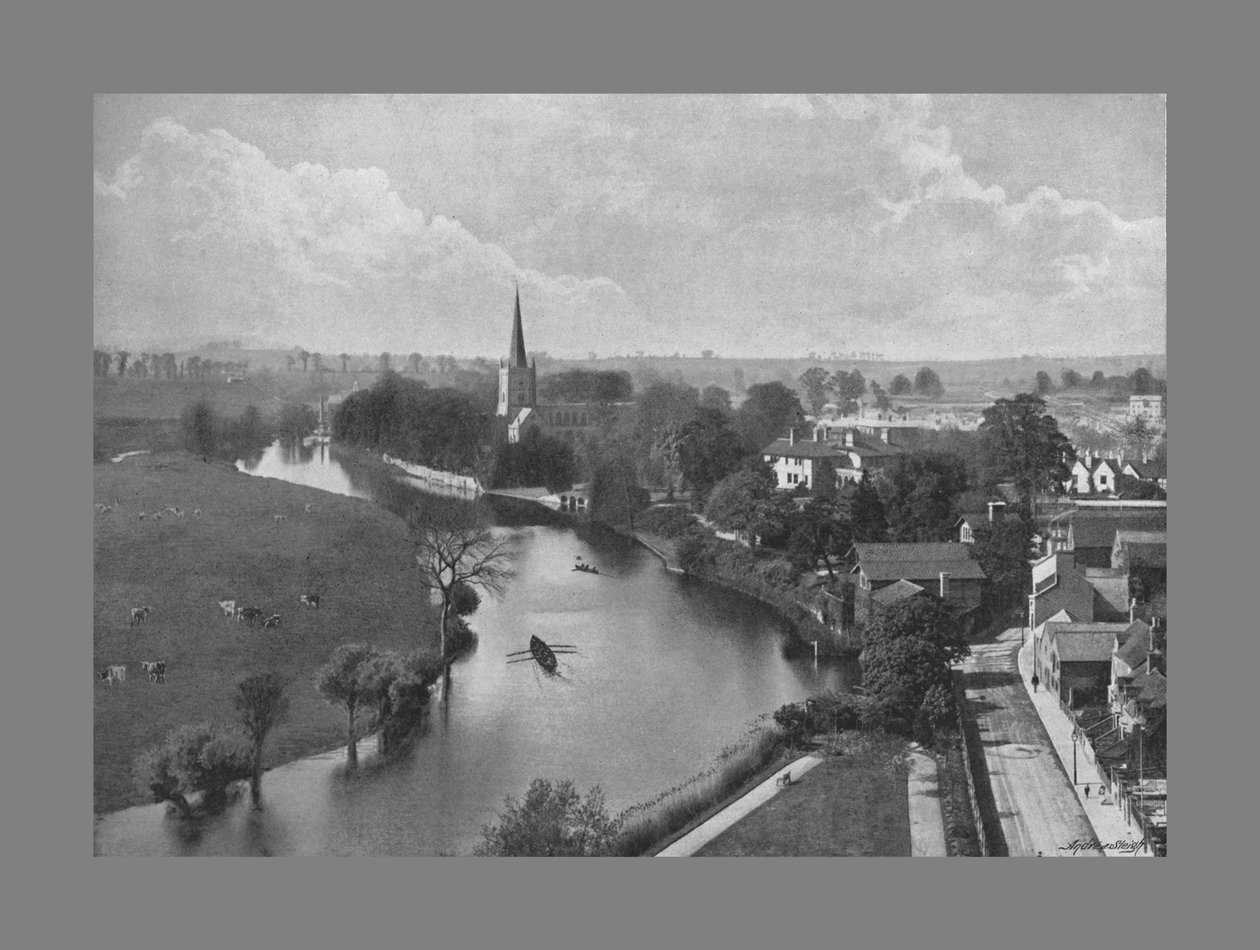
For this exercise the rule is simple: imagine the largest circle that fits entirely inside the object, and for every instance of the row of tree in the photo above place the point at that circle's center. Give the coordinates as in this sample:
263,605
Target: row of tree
1140,382
846,388
162,366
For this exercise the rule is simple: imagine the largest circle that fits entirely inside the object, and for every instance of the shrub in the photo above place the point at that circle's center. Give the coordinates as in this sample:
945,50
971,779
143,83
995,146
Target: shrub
667,520
201,758
552,820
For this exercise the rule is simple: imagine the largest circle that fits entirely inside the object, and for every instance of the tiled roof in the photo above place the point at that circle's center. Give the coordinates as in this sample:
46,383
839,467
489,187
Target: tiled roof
1083,642
1097,529
804,449
1071,592
894,592
1150,469
917,561
1136,645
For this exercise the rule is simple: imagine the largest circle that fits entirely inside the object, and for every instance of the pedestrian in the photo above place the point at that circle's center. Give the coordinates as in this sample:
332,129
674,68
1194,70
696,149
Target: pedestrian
1087,792
1036,682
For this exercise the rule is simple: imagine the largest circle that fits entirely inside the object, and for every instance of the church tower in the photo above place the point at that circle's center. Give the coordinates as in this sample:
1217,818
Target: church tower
518,379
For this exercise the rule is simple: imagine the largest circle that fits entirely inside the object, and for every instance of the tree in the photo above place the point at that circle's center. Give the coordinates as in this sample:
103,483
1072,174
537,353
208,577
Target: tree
382,363
414,362
122,358
289,361
454,548
814,381
1137,437
882,402
261,705
345,358
708,450
867,517
920,494
900,386
317,360
744,502
1098,380
1071,379
849,388
201,758
766,413
552,820
342,684
927,383
1044,383
201,428
305,358
1003,549
717,398
907,650
818,534
793,719
1024,442
1142,381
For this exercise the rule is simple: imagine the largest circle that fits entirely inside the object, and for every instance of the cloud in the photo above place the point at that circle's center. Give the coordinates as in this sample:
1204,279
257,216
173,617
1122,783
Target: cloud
205,231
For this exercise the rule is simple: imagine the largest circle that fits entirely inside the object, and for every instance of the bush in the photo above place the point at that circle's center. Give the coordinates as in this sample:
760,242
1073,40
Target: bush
552,820
667,521
201,758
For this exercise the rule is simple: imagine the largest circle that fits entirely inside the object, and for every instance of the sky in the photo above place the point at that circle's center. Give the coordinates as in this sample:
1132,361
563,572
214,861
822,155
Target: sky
919,227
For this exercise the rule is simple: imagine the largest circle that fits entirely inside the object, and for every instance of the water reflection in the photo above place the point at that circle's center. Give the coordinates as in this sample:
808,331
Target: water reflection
668,671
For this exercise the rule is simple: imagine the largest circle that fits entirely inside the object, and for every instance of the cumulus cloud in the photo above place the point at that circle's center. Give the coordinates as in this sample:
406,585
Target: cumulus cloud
202,230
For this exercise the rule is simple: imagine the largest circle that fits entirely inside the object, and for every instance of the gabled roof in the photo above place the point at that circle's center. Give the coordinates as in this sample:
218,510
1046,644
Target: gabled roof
806,449
1070,591
917,561
886,596
1113,464
1083,642
1149,470
1136,644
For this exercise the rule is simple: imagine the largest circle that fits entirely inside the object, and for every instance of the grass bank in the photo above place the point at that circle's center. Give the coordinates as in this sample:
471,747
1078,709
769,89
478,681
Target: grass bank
853,803
352,552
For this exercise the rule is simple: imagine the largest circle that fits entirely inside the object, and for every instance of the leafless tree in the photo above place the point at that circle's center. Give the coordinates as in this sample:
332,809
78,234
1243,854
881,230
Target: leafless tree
453,549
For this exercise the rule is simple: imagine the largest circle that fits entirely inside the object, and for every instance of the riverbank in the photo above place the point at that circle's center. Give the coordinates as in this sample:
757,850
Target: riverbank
352,552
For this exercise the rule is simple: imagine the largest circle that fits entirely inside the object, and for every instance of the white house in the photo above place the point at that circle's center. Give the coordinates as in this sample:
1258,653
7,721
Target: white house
1147,407
1094,475
806,453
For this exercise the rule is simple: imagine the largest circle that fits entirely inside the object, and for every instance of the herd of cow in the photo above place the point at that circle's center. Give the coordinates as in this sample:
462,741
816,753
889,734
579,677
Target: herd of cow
156,669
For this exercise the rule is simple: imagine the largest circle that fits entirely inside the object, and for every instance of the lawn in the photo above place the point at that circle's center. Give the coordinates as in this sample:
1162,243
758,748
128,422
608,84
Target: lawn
351,552
855,803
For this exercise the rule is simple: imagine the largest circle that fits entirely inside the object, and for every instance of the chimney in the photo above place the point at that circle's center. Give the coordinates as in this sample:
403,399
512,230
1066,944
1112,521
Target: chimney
1132,608
945,575
818,434
883,435
997,510
848,437
791,435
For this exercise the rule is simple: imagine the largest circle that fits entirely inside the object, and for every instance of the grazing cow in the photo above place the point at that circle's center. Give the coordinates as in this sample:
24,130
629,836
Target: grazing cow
228,607
196,512
157,516
309,509
271,622
278,518
142,516
249,615
139,615
113,674
156,670
310,600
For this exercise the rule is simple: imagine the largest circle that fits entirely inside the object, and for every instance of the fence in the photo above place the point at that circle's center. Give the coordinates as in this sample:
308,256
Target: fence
960,702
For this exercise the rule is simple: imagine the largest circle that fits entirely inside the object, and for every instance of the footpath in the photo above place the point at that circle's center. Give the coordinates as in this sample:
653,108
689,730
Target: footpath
1111,829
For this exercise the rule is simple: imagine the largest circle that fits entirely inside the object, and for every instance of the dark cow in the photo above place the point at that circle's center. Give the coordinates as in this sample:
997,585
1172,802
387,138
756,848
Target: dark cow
310,600
249,615
156,670
271,622
139,615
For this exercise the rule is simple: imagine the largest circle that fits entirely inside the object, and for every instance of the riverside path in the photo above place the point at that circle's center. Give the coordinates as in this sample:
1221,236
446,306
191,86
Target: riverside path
1036,807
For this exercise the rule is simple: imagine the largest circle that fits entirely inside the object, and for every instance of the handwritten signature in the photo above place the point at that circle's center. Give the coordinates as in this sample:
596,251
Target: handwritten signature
1093,844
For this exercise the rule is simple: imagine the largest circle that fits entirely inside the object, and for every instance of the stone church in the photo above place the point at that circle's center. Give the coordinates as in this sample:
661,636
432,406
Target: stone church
518,397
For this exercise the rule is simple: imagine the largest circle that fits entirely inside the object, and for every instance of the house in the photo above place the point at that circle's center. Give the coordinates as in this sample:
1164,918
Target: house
971,521
1151,406
1074,659
1154,472
946,569
1133,653
808,454
1090,533
1094,476
1086,593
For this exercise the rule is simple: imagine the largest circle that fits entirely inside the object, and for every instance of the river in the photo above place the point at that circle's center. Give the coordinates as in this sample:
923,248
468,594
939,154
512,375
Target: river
669,670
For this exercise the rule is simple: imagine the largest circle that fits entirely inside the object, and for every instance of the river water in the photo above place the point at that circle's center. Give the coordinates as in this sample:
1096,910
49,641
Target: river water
668,671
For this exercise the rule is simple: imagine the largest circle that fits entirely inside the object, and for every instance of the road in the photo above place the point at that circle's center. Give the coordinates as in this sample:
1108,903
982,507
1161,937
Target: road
1037,808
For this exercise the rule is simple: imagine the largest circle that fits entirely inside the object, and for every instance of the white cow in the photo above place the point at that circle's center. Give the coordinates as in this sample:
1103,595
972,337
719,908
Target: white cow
113,674
278,518
228,607
139,615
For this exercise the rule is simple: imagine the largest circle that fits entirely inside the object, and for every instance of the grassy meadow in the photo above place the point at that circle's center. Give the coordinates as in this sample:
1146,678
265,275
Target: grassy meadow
351,552
855,803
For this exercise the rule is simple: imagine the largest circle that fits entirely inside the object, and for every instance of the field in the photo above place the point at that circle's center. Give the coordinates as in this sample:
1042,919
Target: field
856,803
351,552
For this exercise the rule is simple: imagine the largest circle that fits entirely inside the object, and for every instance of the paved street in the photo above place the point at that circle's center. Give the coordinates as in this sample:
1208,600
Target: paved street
1036,806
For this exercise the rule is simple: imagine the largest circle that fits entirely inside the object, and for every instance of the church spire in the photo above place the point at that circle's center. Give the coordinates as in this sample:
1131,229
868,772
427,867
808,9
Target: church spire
516,351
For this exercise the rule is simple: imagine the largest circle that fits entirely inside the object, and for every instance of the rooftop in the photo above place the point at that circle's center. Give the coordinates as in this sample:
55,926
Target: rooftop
902,589
917,560
1084,642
